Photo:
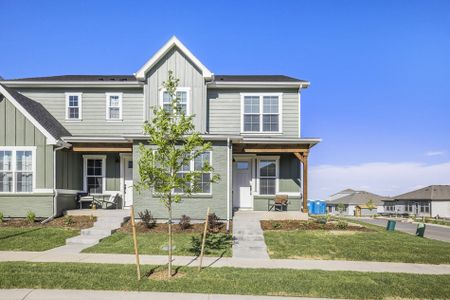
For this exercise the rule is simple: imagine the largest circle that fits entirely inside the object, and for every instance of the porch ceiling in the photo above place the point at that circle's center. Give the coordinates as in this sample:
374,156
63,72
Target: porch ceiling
270,148
102,147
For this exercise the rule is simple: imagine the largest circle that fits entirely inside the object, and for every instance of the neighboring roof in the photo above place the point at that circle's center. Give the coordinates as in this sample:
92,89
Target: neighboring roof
100,78
256,78
173,42
358,197
432,192
36,113
346,191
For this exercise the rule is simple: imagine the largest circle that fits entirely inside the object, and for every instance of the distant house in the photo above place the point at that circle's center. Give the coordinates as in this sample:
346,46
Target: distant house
431,201
355,203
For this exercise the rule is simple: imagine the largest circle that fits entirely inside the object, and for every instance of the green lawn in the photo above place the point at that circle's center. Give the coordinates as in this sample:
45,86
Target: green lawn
280,282
151,243
33,238
376,245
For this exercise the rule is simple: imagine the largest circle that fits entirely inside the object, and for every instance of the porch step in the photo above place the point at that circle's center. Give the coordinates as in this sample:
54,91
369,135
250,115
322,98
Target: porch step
107,223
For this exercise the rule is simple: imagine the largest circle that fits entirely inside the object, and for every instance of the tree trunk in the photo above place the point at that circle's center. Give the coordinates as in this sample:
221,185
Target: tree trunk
170,240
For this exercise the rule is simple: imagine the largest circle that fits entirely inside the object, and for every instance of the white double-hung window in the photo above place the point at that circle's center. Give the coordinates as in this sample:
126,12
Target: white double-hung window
204,183
268,175
17,168
182,94
261,113
114,106
73,106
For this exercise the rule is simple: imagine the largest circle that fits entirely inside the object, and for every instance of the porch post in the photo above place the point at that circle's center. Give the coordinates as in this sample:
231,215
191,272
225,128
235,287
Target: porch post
303,157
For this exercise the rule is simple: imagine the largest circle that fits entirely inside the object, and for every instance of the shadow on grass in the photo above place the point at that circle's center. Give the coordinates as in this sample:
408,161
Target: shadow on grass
19,234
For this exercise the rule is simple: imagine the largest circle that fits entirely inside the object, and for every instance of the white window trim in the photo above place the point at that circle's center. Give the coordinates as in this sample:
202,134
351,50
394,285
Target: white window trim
258,175
85,159
261,112
120,95
13,149
179,89
80,107
191,168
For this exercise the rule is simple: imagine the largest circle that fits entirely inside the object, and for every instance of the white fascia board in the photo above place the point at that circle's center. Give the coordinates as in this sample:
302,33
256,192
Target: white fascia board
95,139
174,41
74,84
281,141
262,84
50,139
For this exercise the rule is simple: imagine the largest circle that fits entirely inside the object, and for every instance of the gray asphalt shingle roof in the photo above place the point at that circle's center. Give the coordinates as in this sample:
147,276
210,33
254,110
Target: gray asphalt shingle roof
38,112
432,192
359,197
100,78
256,78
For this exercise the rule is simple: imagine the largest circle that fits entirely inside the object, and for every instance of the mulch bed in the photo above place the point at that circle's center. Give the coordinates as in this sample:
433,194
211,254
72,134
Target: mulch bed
307,225
72,222
176,228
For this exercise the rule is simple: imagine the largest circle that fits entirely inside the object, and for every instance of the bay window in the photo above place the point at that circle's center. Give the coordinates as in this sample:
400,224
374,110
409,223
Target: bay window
261,113
17,169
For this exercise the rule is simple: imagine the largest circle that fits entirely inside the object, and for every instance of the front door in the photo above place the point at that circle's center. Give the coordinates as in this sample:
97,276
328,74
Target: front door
242,184
128,180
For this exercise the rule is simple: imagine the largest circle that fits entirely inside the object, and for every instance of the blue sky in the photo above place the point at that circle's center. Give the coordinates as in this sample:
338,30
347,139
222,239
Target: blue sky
379,70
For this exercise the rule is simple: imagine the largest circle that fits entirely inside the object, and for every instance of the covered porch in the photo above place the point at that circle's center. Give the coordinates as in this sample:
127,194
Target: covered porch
267,170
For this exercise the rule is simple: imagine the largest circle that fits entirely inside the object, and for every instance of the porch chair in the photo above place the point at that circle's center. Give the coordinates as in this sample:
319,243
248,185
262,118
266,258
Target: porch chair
112,202
85,199
280,203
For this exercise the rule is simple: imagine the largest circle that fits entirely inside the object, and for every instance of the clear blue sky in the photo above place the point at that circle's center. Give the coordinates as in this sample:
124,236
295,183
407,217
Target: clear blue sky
379,70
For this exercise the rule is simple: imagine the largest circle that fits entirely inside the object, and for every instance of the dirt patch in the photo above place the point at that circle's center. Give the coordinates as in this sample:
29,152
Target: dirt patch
72,222
310,225
176,228
162,275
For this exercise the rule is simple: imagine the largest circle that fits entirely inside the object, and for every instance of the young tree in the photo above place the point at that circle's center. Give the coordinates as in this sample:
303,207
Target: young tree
173,143
340,207
371,205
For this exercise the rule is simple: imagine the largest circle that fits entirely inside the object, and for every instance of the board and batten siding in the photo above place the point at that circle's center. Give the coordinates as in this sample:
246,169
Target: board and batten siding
196,206
188,74
16,130
93,109
224,110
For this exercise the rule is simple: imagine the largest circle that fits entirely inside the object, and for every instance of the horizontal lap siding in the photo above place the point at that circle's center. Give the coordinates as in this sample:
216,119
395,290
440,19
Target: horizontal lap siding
194,207
188,75
93,110
224,106
14,205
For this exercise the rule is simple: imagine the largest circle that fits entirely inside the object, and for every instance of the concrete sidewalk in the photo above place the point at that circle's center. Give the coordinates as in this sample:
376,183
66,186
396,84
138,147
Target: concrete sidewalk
296,264
32,294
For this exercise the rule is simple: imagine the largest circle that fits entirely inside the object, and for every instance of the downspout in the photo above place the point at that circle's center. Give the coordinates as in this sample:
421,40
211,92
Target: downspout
228,185
55,191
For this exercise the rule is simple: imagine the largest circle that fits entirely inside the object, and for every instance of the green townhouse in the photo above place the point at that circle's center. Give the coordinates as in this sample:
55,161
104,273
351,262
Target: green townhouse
63,135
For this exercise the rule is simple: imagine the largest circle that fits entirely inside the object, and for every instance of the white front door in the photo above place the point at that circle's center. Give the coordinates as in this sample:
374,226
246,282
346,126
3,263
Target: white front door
128,180
242,184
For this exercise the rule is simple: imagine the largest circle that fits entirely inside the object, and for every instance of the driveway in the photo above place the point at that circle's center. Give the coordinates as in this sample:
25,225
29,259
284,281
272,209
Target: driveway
431,232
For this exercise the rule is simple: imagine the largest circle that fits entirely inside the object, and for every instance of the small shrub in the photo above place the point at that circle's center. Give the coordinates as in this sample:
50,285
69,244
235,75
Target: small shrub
342,225
31,217
275,225
148,219
217,241
185,222
1,217
322,220
213,223
68,220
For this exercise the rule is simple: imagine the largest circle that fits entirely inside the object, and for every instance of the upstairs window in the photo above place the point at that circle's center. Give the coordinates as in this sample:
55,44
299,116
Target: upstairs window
114,106
261,113
183,96
73,106
16,170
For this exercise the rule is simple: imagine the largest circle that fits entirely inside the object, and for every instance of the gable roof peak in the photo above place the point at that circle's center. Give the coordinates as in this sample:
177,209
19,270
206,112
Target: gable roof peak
171,43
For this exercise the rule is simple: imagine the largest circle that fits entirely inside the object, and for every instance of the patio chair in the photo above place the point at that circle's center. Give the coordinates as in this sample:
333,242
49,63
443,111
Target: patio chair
85,199
112,202
280,203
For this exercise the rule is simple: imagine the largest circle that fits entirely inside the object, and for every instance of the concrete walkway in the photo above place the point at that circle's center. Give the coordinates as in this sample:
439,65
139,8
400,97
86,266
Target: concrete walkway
32,294
251,263
248,237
